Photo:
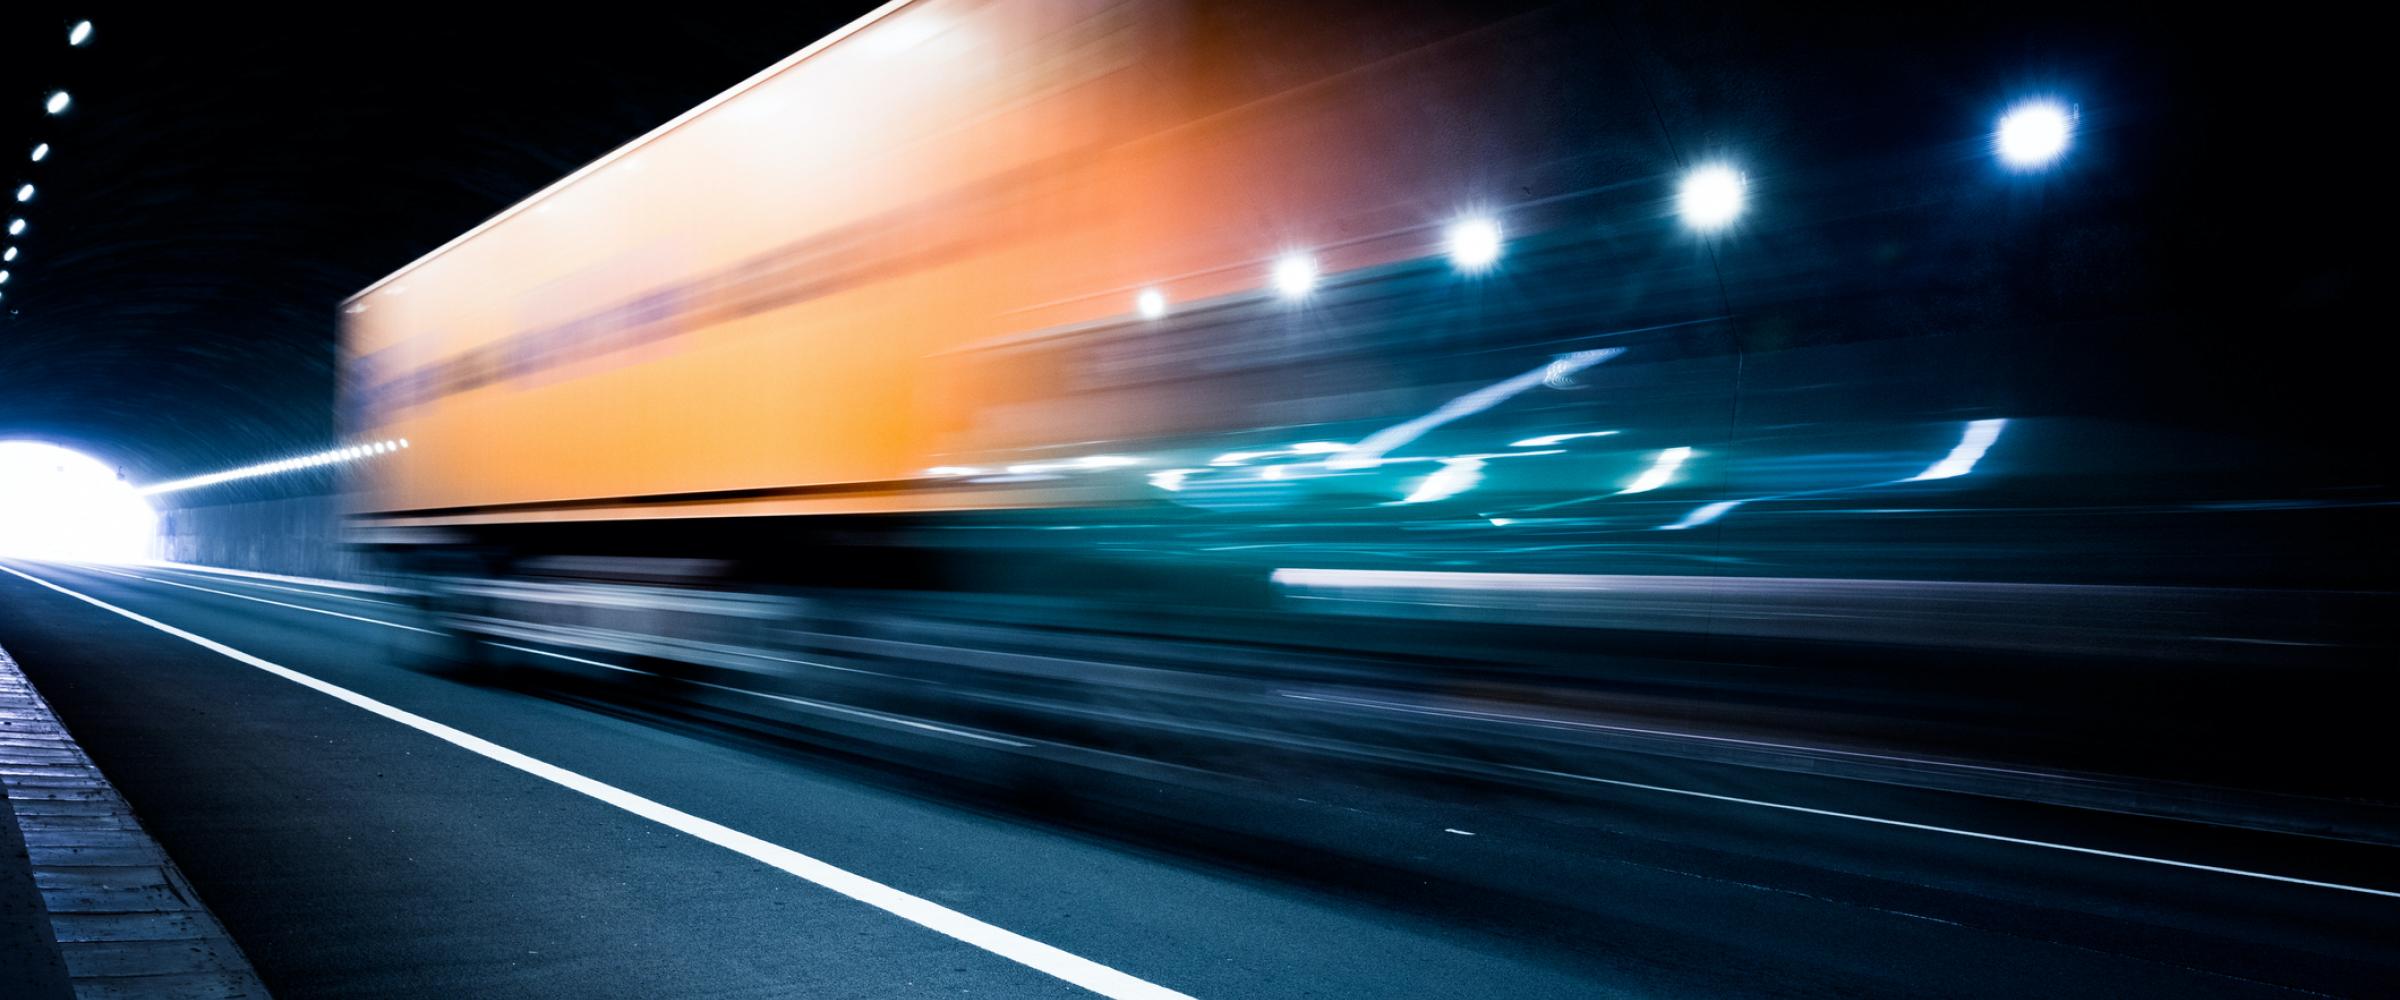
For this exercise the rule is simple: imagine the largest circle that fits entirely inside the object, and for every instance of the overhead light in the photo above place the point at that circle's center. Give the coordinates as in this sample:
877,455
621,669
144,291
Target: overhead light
1712,197
58,102
9,254
25,193
1295,274
41,151
16,227
1474,244
80,33
1152,303
3,277
2033,134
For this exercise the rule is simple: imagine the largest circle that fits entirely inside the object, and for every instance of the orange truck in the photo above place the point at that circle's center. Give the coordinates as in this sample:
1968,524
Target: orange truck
957,256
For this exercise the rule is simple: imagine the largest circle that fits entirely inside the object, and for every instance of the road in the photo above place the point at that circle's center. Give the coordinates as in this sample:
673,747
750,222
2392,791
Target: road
366,827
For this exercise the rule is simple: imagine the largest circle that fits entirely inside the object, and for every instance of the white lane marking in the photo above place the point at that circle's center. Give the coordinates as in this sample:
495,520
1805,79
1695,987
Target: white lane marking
1954,831
788,699
280,604
305,581
925,913
302,591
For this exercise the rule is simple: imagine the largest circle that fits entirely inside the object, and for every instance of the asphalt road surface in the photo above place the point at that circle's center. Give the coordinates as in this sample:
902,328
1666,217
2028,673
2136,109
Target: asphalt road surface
367,828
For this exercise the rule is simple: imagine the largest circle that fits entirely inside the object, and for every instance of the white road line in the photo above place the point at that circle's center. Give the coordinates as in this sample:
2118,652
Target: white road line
280,604
925,913
1954,831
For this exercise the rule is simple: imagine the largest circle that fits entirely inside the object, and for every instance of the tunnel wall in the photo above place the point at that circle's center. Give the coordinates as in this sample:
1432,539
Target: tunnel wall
298,535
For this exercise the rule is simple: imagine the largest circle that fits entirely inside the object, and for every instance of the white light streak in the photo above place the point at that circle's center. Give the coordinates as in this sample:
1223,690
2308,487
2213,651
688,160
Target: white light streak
1456,476
41,151
1703,514
80,33
1369,453
58,102
1547,440
1660,473
1978,439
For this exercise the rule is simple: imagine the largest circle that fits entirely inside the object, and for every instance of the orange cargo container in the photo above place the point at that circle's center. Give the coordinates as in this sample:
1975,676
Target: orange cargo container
803,296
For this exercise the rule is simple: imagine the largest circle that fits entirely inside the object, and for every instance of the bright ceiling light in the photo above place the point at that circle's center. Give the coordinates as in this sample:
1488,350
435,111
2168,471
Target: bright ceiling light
1711,197
1474,244
41,151
16,227
9,254
25,192
58,102
80,33
1295,275
2034,134
1152,303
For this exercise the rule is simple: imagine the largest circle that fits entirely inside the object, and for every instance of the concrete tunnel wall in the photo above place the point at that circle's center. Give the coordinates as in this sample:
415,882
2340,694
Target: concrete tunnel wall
295,535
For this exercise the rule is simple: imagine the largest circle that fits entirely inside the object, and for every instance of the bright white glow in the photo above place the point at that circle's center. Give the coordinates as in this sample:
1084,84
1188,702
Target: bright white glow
1547,440
16,227
1501,522
1661,471
1152,303
1456,476
349,454
1171,480
58,102
61,504
1474,244
1295,275
41,151
953,471
1971,445
2034,134
9,254
80,33
25,193
3,277
1703,514
1712,197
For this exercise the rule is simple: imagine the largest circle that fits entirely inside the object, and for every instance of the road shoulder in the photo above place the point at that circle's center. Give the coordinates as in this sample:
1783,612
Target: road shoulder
88,884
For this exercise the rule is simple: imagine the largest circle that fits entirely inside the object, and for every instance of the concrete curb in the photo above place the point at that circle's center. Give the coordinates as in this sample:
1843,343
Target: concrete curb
122,920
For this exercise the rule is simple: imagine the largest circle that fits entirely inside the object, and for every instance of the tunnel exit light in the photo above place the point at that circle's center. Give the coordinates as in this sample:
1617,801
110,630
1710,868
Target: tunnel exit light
61,504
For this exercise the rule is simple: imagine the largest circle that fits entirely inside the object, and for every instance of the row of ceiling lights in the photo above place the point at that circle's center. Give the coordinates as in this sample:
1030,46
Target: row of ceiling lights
79,34
2030,136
